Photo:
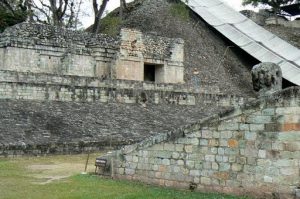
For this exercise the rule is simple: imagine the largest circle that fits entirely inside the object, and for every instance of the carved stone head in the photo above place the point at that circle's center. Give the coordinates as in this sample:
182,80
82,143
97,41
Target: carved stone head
266,78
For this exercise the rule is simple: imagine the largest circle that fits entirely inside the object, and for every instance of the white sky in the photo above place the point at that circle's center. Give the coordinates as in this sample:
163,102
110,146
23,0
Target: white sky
112,4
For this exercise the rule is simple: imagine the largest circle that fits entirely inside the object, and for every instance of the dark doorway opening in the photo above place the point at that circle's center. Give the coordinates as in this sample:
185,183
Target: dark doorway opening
149,72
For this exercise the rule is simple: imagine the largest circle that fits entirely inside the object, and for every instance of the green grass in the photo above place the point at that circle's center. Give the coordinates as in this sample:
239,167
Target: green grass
19,179
180,11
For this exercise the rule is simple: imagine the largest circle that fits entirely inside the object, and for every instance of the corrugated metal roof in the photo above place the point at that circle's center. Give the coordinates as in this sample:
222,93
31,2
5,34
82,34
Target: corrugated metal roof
254,39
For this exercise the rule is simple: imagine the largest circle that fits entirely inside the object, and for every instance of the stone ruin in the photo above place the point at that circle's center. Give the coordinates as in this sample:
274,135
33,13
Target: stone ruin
179,140
131,56
266,78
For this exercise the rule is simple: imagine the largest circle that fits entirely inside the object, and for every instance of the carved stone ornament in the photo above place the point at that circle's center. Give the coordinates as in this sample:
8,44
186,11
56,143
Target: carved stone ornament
266,78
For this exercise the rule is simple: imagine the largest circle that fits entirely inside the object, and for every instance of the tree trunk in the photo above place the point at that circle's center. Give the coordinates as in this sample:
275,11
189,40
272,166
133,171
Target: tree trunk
98,16
121,10
276,11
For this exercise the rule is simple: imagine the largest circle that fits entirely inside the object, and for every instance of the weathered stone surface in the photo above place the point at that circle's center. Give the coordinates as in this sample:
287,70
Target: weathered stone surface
256,161
266,78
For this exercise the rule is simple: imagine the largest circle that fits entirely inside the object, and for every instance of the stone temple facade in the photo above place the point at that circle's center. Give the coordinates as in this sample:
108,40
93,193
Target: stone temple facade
133,56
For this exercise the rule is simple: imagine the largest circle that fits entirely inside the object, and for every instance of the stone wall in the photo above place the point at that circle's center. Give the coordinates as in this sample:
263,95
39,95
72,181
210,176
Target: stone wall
33,86
137,49
45,49
251,150
263,17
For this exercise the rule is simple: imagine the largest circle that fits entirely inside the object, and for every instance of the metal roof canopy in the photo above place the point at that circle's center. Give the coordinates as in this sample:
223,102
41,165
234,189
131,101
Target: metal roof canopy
254,39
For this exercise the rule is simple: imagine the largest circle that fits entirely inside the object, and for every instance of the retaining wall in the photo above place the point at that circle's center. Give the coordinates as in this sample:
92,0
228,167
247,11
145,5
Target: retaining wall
251,150
33,86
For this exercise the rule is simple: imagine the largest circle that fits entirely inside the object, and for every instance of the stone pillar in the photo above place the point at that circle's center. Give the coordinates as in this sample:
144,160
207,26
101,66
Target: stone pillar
266,78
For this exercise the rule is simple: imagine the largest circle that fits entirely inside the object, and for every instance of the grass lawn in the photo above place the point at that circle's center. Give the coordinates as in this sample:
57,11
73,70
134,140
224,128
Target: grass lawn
59,177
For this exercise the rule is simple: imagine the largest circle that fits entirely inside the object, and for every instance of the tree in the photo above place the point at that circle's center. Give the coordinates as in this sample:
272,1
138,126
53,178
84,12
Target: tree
123,6
274,4
98,12
12,12
62,13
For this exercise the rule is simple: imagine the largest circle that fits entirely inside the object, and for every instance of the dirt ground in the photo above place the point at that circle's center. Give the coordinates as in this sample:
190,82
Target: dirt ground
59,167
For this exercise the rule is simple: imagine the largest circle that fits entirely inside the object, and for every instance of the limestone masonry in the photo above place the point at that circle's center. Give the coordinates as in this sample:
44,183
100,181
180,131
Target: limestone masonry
251,150
64,91
178,113
45,49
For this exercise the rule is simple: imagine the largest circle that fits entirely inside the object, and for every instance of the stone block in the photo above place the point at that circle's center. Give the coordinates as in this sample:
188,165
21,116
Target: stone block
195,173
223,142
207,165
251,161
268,179
225,158
196,180
221,175
157,147
289,171
262,154
290,154
264,162
169,183
237,167
135,159
288,126
219,158
226,134
132,165
166,162
233,183
259,119
176,169
221,151
232,143
207,134
257,127
129,171
155,167
232,159
233,126
180,162
224,166
179,147
203,142
210,158
268,111
289,136
287,110
250,135
158,175
215,166
188,148
244,127
213,142
205,181
216,134
128,158
175,155
232,151
194,141
190,164
121,171
169,147
214,150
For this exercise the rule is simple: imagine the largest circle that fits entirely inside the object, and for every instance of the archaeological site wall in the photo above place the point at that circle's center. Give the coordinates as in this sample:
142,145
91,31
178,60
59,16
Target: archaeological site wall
33,86
250,150
52,80
132,56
